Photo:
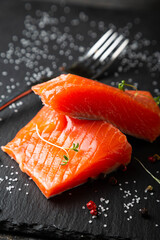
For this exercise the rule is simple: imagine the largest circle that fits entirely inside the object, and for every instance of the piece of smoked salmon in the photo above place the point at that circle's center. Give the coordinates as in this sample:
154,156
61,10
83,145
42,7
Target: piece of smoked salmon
102,148
134,113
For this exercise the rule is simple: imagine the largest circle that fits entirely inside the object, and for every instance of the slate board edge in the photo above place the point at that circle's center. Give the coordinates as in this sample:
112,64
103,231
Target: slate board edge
36,230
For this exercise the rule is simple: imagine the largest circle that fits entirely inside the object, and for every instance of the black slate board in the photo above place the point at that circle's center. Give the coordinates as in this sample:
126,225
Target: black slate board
24,210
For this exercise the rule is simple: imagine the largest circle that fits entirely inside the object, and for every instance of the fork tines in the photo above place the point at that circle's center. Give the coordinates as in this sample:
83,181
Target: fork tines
101,55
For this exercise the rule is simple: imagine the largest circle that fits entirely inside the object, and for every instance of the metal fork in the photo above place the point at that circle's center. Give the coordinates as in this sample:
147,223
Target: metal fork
100,57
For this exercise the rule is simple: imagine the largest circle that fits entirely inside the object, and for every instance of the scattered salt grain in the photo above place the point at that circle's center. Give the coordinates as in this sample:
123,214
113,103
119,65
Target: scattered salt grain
4,73
1,180
102,199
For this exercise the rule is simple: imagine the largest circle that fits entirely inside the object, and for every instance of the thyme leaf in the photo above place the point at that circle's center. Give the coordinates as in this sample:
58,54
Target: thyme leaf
74,148
157,100
123,84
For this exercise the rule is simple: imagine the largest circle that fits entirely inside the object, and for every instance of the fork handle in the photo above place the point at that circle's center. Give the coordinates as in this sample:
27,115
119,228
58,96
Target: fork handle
15,98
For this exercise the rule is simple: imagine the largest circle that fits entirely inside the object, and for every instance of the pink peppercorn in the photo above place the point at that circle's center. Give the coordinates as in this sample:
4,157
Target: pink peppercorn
91,205
151,159
93,212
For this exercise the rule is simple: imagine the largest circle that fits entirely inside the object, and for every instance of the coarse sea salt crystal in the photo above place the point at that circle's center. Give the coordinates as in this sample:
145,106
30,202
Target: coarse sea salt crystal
1,180
102,199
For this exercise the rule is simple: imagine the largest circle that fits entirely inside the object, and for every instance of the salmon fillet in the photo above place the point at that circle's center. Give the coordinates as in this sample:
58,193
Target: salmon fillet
134,114
102,148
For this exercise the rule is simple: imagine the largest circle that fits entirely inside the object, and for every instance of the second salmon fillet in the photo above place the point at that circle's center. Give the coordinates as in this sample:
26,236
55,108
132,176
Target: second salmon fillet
102,149
134,113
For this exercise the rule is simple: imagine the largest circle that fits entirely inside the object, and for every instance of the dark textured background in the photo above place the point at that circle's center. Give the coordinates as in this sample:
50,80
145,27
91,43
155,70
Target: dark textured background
63,216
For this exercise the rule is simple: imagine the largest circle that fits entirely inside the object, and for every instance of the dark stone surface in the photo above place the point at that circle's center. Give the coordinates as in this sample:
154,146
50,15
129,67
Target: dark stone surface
62,217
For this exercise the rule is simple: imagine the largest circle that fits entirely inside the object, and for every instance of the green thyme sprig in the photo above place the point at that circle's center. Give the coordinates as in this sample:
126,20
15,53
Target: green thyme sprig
122,85
157,100
66,158
156,179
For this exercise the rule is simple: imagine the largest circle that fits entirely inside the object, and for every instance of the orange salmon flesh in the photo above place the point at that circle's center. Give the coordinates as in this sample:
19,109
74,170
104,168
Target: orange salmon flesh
133,112
102,148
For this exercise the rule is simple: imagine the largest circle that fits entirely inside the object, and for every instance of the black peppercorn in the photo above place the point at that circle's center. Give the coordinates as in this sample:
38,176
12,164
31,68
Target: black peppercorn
144,212
112,180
